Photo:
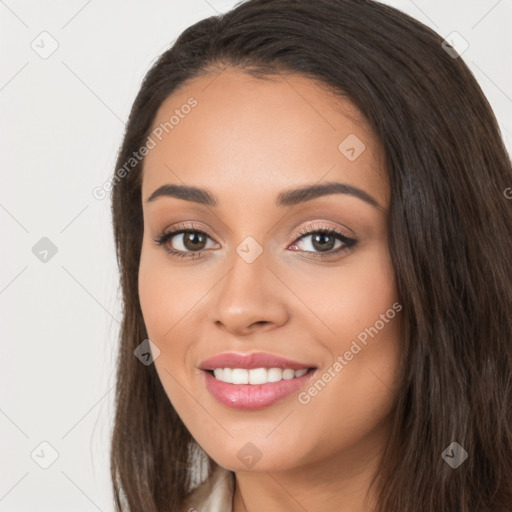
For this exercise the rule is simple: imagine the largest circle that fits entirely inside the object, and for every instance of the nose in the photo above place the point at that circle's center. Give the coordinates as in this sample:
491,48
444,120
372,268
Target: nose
250,298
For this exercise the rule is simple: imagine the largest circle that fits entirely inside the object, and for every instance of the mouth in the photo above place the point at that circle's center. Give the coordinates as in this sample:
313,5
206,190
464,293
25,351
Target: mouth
252,389
254,381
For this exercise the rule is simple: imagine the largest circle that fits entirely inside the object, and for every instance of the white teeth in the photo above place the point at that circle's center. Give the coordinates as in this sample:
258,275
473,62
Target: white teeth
288,374
256,375
226,374
239,376
274,375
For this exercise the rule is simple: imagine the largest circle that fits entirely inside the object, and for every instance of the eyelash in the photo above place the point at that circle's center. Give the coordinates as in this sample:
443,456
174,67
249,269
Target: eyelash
163,237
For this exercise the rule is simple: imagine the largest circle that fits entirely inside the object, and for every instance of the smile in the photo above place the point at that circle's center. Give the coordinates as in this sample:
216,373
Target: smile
254,389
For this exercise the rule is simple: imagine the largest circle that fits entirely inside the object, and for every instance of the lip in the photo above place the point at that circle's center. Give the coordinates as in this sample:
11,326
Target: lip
252,397
249,361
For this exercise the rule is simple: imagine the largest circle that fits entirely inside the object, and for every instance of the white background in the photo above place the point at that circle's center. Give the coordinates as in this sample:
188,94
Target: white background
62,123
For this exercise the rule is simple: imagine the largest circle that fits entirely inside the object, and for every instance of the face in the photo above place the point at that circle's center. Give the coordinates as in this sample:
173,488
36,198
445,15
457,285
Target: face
306,278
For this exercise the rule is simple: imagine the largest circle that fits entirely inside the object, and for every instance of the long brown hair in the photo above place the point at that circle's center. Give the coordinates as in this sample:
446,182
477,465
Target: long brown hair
450,238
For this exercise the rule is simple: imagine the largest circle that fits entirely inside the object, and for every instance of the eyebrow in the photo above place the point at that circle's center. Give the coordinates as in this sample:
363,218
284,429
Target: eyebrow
285,198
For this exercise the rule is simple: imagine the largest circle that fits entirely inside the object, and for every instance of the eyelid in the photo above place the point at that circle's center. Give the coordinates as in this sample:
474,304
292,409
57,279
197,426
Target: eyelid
175,230
304,230
315,226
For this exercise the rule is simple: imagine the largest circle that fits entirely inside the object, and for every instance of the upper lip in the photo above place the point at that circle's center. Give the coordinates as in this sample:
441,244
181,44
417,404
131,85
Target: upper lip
248,361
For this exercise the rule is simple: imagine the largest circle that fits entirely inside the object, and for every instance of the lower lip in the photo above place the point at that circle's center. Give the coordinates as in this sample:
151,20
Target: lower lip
253,396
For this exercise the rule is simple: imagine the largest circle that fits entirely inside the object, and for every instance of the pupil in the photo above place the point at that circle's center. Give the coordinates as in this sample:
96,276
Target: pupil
322,244
192,238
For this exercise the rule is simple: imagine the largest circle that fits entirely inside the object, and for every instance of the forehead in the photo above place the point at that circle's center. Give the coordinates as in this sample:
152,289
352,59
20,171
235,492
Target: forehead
240,135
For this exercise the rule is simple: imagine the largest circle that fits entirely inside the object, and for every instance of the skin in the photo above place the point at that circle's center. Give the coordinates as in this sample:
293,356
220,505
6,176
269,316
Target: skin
247,140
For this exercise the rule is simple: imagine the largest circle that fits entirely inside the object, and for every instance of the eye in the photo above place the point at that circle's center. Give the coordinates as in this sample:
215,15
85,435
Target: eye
327,241
190,242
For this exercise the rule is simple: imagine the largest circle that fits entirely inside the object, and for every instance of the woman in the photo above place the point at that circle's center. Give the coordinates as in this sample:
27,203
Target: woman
314,244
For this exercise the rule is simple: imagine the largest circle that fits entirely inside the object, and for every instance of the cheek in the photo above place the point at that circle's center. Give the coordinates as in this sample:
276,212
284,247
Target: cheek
349,298
153,301
165,302
171,301
361,329
166,295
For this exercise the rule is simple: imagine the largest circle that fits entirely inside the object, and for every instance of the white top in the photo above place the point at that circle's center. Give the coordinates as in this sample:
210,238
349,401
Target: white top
215,494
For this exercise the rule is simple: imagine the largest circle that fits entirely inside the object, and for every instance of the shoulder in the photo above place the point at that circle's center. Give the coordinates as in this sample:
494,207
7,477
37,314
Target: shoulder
215,494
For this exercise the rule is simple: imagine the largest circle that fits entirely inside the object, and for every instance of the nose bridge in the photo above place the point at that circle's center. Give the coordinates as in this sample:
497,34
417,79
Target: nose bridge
249,292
